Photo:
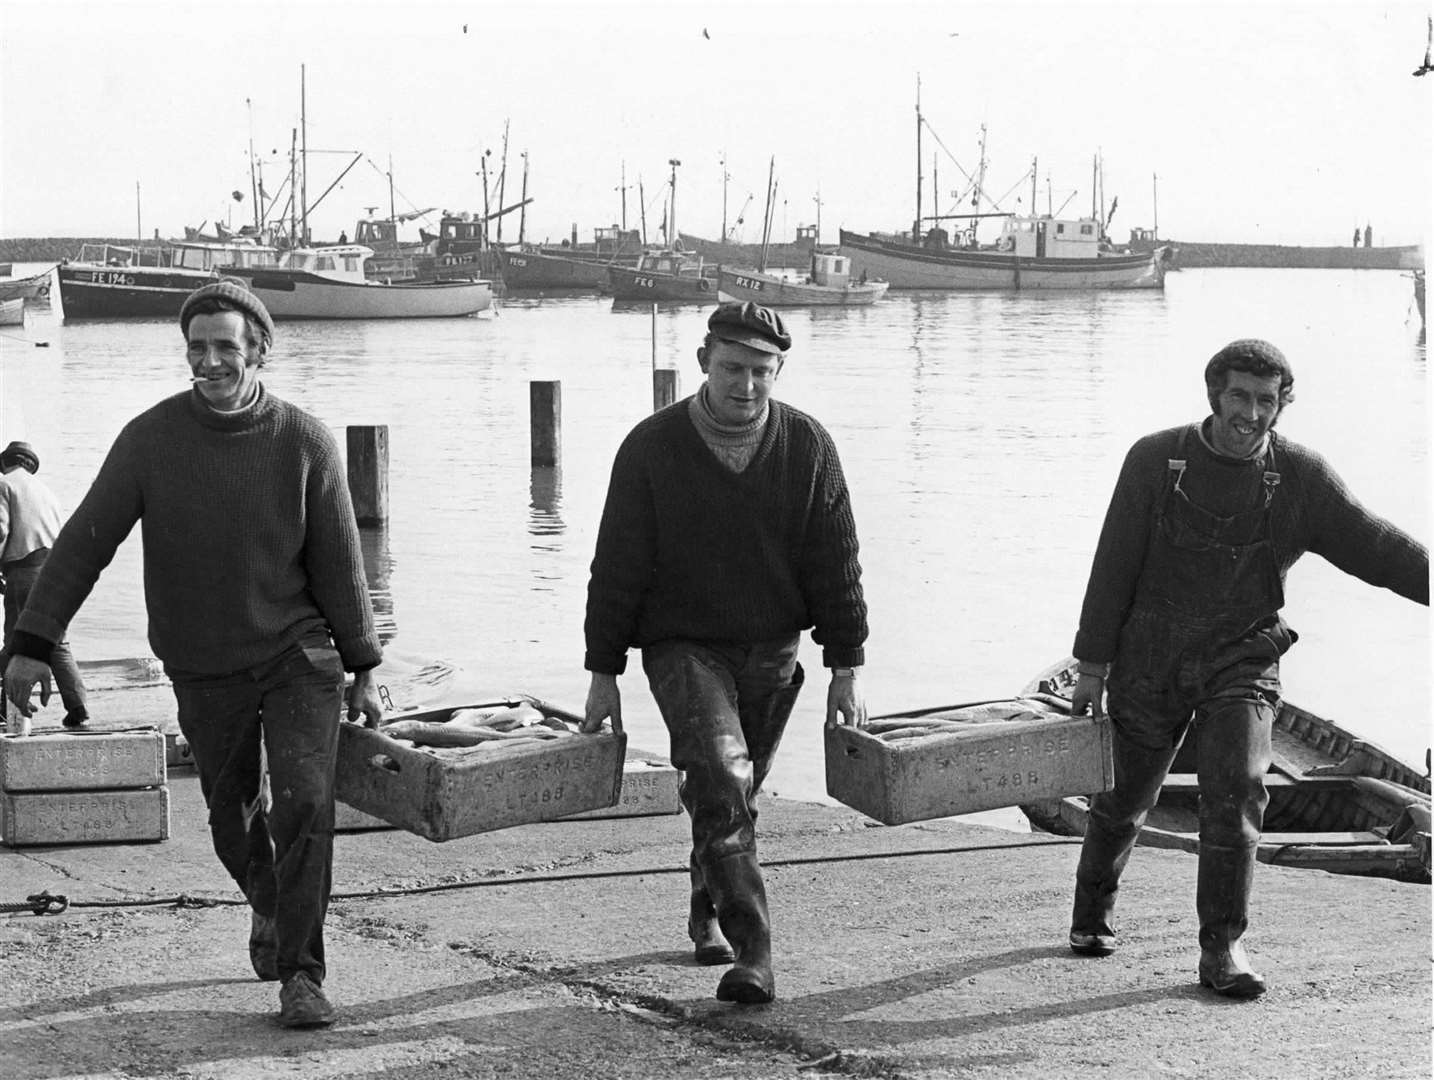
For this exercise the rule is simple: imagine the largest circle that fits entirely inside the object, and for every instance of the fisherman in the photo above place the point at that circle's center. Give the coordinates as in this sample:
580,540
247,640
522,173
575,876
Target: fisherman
30,519
1181,630
727,531
257,604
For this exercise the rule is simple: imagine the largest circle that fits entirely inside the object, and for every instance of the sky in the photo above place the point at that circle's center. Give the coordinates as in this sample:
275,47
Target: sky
1271,122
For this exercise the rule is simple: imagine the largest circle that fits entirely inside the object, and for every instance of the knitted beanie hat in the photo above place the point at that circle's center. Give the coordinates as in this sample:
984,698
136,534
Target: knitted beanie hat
235,292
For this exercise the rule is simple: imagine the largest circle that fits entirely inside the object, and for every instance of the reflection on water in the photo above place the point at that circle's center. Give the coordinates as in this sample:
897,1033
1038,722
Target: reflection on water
378,568
980,434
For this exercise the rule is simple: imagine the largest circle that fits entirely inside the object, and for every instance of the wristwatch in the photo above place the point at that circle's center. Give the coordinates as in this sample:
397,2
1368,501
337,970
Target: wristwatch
843,673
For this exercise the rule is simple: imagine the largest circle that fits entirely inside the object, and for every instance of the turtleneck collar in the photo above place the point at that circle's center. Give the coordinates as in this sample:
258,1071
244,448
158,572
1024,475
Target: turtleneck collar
234,420
709,418
1253,455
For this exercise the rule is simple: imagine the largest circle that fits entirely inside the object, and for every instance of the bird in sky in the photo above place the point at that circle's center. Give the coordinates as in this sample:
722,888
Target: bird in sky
1428,65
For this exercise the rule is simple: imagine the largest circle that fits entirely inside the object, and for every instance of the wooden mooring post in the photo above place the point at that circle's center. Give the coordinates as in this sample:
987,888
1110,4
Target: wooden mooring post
545,409
368,473
664,387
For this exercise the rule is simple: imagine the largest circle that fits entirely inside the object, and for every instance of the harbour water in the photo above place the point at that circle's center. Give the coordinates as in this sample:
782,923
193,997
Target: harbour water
980,434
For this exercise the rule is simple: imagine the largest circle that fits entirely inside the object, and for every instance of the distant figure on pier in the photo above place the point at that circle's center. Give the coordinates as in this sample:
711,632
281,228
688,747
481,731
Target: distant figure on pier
257,604
1368,236
343,236
1356,236
727,531
30,519
1181,633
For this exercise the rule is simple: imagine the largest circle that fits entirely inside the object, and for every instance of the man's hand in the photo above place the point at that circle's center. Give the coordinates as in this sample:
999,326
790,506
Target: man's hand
21,675
604,701
845,699
1089,696
362,698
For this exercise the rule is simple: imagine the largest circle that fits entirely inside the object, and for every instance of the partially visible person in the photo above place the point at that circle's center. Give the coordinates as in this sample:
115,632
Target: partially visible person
257,604
1181,635
30,519
727,531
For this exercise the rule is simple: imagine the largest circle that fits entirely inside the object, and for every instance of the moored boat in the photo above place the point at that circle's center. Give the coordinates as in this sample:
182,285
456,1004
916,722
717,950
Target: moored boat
110,281
530,270
664,275
828,284
1337,802
12,312
1033,253
33,287
329,283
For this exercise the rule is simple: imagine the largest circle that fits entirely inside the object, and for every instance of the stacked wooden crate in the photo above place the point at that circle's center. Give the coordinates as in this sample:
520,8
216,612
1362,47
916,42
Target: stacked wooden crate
102,786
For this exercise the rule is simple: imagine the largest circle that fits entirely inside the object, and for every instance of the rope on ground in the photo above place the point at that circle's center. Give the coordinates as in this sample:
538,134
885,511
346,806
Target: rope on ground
185,901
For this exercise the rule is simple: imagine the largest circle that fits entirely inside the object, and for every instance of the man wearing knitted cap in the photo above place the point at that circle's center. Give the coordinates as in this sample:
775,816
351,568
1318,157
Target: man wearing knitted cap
30,519
257,604
1181,630
727,531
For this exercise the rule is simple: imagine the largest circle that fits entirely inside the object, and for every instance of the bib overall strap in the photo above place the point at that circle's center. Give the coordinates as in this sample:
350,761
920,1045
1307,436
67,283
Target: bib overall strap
1177,464
1272,477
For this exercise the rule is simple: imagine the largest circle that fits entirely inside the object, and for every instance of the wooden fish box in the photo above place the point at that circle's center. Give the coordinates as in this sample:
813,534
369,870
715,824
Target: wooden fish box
986,764
442,797
649,787
63,760
84,817
347,819
177,754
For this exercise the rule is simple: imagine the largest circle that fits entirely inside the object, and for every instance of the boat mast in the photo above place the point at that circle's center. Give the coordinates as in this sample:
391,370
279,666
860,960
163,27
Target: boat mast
304,162
672,238
293,202
641,208
483,231
767,218
623,190
502,180
725,178
1034,174
392,213
138,227
253,184
1155,202
1094,172
916,225
818,200
523,206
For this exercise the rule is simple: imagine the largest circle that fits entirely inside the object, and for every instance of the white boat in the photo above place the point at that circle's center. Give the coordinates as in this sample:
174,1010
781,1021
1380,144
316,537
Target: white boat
828,285
329,283
12,312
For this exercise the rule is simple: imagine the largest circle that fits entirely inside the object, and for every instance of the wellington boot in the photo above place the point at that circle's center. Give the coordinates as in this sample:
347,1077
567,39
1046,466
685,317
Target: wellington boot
740,898
264,947
748,982
1227,972
708,945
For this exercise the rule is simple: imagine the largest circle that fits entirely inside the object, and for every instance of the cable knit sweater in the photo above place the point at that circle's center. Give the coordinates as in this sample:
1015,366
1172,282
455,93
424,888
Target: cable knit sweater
689,549
249,538
1312,511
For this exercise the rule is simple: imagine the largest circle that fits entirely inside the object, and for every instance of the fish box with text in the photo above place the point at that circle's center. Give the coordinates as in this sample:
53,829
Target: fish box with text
649,787
111,816
964,759
454,771
62,760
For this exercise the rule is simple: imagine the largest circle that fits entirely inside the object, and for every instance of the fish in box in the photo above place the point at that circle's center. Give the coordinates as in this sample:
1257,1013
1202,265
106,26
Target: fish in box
84,817
96,759
441,786
962,759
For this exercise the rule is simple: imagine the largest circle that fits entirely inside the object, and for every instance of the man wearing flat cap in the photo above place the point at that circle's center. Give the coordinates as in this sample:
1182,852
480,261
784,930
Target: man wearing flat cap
30,519
727,531
257,604
1181,632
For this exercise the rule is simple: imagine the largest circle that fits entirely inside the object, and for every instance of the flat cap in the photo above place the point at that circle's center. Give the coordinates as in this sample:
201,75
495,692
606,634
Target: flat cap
20,453
235,292
751,325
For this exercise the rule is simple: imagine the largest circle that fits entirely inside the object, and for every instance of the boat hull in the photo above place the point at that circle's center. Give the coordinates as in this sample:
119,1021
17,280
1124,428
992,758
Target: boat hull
905,266
12,312
534,270
1337,803
626,283
302,295
107,292
772,291
26,288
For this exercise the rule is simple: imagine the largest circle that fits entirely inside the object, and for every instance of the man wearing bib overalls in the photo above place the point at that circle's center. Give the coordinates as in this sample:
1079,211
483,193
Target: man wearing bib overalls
1181,625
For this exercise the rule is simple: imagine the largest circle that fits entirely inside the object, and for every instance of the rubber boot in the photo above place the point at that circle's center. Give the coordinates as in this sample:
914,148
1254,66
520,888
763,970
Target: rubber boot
1112,828
709,946
735,882
1222,901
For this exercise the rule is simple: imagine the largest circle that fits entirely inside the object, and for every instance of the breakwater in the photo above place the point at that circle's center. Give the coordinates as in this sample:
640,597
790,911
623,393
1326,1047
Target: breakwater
52,249
1191,254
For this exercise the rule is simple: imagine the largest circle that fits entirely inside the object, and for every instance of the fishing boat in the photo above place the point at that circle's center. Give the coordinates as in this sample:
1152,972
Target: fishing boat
34,287
572,266
828,284
12,312
111,281
329,283
1033,251
1337,802
667,274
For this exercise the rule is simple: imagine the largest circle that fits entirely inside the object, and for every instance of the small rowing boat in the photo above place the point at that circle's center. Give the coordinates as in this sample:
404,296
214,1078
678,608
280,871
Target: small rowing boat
1337,802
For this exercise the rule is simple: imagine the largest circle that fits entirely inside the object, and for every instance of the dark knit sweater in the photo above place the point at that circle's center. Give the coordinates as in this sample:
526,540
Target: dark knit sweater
689,549
249,538
1312,511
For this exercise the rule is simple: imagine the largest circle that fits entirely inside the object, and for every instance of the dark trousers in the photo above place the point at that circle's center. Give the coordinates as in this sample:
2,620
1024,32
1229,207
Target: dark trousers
725,707
280,854
20,578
